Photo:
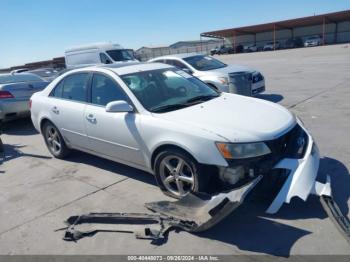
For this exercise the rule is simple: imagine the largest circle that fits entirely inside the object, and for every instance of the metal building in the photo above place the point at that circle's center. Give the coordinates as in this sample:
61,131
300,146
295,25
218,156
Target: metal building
331,27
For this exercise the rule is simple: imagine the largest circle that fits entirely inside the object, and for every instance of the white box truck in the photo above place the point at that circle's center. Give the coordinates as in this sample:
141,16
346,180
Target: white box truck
98,53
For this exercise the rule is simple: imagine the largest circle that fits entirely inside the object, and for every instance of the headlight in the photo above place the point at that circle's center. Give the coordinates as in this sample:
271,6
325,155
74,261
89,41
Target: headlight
223,80
244,150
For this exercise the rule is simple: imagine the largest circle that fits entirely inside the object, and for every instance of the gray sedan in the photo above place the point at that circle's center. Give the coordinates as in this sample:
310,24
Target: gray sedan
226,78
15,92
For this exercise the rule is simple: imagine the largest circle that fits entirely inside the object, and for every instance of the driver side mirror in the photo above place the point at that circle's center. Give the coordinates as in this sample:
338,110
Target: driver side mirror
119,107
108,62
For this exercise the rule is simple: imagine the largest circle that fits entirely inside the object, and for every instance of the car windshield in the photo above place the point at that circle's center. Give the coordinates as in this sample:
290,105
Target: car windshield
121,54
18,78
166,90
204,63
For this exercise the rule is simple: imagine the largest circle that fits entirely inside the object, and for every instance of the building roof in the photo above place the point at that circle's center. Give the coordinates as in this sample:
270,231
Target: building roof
193,42
285,24
151,47
180,56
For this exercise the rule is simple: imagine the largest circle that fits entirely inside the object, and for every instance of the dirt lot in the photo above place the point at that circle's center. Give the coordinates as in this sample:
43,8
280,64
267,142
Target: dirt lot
38,192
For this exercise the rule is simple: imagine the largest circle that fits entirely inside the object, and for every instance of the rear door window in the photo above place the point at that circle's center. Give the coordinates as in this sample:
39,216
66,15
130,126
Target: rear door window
75,87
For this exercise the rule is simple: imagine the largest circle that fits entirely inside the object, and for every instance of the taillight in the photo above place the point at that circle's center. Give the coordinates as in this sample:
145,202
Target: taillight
5,94
30,104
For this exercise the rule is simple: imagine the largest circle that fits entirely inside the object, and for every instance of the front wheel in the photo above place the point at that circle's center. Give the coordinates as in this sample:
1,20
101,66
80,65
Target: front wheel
54,141
178,174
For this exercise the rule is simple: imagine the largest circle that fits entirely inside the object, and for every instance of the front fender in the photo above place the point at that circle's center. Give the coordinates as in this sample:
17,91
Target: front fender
199,143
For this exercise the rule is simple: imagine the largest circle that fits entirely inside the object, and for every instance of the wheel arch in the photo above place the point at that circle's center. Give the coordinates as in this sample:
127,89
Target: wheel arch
163,147
43,121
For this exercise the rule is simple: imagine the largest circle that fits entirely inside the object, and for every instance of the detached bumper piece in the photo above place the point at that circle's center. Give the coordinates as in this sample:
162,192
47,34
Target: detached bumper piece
144,226
193,213
340,221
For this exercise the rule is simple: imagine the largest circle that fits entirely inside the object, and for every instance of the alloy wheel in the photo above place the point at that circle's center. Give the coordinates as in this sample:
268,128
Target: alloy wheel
177,175
53,140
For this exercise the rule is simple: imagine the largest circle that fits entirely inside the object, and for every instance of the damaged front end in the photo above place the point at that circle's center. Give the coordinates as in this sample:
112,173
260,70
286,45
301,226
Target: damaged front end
293,161
294,154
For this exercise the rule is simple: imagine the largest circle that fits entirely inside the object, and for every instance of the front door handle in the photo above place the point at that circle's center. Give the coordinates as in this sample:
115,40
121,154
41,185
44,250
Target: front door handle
55,110
91,118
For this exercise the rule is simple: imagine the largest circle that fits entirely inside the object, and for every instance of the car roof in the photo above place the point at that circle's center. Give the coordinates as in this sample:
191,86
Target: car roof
180,56
127,68
96,46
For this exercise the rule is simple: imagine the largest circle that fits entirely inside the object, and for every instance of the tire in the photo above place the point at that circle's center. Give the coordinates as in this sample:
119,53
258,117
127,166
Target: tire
178,174
54,141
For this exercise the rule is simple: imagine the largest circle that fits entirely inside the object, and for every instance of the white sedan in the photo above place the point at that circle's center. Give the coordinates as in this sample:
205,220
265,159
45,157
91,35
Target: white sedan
162,120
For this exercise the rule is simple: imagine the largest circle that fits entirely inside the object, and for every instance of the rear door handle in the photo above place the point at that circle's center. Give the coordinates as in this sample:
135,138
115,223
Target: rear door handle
91,118
55,110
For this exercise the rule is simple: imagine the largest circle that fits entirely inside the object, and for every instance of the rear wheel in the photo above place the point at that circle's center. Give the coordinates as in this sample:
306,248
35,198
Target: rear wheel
54,141
178,174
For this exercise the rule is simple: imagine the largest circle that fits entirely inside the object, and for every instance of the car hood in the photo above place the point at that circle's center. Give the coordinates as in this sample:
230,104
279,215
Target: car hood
232,69
224,71
235,118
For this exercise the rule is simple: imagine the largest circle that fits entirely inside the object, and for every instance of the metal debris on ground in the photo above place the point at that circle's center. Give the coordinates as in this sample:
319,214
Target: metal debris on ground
195,212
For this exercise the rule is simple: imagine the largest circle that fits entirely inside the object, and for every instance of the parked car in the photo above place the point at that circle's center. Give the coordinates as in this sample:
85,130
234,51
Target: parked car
48,74
224,50
15,92
227,78
271,46
294,42
250,48
98,53
214,51
160,119
239,49
20,70
313,41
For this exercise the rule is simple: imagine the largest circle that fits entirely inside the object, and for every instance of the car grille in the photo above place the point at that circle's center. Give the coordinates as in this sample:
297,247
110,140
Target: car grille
258,90
293,144
240,83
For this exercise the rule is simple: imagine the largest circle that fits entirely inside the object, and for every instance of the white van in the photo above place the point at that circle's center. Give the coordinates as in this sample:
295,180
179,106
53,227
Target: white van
98,53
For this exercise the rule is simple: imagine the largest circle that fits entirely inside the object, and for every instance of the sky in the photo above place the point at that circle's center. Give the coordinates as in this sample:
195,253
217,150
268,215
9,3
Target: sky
34,30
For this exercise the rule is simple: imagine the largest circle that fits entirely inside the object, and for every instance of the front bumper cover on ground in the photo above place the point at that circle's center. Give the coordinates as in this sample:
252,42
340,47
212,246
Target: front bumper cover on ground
193,213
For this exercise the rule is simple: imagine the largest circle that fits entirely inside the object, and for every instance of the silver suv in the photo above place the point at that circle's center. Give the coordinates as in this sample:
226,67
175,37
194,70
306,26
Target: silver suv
226,78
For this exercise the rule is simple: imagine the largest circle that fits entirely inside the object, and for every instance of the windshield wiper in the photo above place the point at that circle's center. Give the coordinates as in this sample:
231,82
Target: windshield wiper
201,98
166,108
189,102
